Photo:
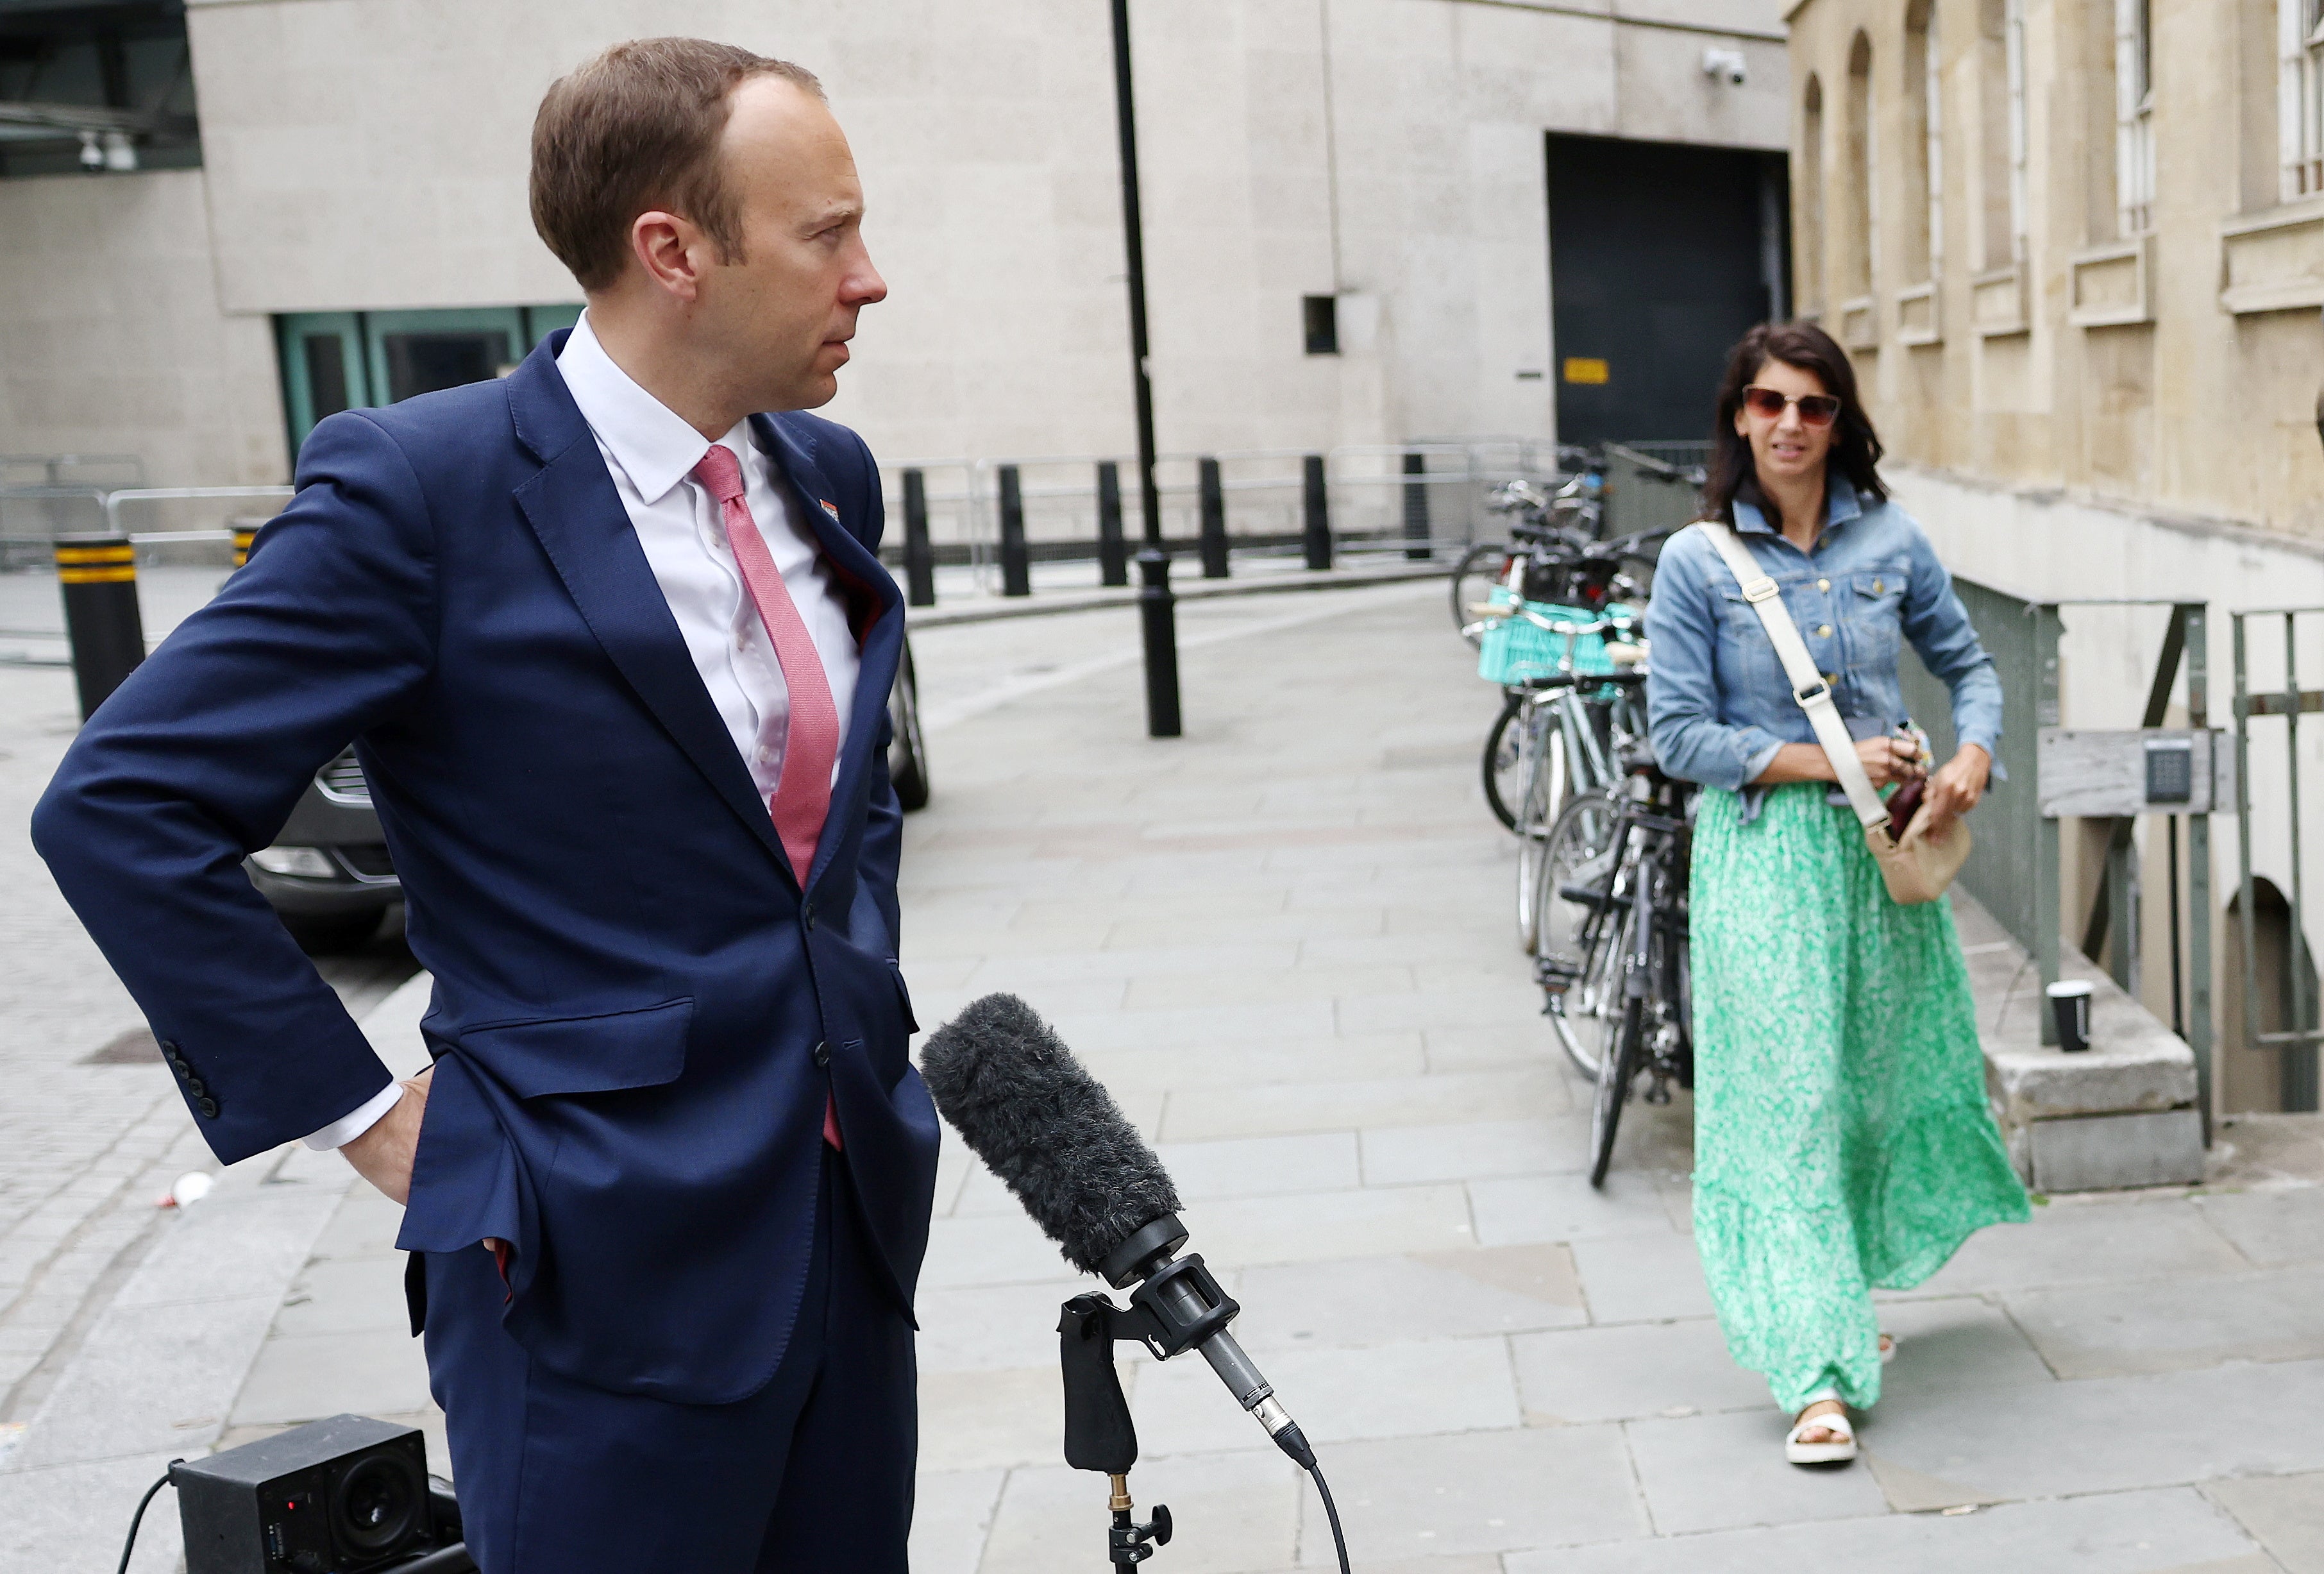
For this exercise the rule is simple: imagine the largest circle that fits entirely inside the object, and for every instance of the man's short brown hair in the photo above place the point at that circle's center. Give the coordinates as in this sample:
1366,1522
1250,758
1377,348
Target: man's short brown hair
635,129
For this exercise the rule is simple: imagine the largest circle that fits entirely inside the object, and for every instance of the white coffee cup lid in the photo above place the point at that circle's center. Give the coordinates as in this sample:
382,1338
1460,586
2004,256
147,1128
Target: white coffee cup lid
2067,988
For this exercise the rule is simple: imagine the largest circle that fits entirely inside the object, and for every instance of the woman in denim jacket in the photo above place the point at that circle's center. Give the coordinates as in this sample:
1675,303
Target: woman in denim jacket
1842,1138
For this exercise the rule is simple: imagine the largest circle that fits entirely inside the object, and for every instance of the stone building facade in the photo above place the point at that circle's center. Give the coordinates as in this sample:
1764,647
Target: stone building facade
2076,249
365,159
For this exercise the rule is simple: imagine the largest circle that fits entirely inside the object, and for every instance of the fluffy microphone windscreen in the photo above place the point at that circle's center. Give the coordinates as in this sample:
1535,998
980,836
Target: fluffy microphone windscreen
1012,1089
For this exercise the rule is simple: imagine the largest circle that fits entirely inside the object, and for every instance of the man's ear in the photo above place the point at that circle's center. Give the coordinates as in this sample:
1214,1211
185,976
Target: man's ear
670,248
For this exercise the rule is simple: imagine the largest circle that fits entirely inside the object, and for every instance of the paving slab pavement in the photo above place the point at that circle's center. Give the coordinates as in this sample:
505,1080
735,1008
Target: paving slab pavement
1285,942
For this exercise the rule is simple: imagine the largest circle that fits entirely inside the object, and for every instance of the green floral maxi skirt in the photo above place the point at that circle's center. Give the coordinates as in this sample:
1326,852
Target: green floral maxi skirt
1842,1138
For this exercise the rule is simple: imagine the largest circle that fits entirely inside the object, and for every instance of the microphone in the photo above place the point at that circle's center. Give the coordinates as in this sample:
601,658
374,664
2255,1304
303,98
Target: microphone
1015,1092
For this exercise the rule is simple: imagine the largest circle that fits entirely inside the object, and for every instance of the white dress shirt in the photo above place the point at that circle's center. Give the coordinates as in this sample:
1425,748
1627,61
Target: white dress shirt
650,451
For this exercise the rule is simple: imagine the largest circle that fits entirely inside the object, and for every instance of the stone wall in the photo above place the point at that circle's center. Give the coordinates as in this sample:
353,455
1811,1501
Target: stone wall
2172,367
370,155
113,339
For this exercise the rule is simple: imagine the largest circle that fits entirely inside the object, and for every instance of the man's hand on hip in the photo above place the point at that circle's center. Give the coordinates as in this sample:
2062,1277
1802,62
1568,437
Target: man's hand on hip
383,1155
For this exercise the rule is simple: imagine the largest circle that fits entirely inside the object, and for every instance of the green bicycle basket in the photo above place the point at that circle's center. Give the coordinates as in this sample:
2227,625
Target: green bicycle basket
1514,650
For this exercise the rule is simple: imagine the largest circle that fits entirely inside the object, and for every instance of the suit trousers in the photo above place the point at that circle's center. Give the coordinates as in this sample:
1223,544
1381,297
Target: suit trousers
811,1475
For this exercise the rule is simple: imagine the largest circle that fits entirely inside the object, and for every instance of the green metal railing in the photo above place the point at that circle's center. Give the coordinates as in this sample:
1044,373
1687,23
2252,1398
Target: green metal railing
2013,869
2300,1035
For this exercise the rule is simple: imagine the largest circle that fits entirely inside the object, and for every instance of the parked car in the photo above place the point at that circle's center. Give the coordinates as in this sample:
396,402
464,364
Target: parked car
328,876
908,754
327,873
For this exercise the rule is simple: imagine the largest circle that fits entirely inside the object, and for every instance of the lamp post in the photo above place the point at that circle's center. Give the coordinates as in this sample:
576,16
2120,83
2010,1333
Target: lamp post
1156,608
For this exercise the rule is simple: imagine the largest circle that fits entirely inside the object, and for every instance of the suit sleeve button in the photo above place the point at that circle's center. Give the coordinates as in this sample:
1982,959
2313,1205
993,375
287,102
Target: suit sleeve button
209,1108
197,1086
821,1054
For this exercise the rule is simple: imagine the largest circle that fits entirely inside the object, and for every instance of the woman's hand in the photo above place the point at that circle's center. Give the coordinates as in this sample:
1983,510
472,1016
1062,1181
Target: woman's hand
1886,759
1889,759
1956,787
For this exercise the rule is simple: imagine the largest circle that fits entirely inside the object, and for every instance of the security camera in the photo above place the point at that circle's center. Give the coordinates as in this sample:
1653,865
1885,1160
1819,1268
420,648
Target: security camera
1728,63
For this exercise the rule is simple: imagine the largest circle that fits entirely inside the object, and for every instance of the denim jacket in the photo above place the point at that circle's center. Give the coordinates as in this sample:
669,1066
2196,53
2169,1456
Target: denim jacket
1717,700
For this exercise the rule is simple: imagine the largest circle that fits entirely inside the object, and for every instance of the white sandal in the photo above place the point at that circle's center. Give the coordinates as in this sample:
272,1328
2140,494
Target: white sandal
1888,1343
1840,1450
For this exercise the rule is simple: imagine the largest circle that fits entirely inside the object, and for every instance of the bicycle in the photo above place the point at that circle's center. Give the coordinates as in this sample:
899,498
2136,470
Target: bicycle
1615,976
1558,734
1564,522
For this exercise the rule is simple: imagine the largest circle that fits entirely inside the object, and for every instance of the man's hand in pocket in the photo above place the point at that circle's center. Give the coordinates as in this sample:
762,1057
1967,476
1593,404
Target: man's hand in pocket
383,1155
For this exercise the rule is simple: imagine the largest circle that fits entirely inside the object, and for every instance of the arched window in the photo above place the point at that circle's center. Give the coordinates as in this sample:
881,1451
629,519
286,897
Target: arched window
1924,213
1810,219
1860,160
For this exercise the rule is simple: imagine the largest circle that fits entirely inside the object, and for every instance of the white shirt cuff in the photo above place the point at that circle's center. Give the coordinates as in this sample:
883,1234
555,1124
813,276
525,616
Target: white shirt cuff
365,1115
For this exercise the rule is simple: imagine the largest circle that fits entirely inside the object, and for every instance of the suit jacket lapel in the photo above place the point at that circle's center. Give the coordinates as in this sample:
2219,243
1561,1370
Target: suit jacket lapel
573,508
882,642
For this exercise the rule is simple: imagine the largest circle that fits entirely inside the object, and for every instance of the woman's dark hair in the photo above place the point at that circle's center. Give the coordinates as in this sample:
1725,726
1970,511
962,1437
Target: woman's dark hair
1855,448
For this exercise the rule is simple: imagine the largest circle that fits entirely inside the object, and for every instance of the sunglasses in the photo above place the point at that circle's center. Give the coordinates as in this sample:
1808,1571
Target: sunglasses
1815,408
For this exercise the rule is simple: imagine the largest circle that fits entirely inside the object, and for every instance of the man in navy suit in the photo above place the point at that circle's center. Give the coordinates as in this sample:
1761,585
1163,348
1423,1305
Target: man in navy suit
614,646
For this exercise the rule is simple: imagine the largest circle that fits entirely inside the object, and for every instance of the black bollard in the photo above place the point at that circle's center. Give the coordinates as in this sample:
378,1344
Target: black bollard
1157,618
1319,512
1016,569
1113,551
1417,534
97,575
919,557
1214,540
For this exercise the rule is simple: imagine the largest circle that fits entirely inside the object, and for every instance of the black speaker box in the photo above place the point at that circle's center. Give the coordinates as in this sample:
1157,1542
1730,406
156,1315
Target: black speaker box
346,1496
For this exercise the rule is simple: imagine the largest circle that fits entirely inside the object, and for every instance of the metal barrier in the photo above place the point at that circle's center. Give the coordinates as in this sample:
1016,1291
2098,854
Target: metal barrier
1647,491
51,468
2013,868
1419,501
2107,778
2299,1036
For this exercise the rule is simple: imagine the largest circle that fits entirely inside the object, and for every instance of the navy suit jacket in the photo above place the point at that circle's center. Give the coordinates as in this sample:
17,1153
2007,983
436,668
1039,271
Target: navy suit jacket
638,1012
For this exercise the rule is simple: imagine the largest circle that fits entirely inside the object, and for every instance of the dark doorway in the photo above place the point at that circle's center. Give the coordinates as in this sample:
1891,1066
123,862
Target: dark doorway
422,362
1660,256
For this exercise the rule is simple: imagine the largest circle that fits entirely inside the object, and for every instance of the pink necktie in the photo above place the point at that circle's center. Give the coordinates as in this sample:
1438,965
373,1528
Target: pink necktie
802,799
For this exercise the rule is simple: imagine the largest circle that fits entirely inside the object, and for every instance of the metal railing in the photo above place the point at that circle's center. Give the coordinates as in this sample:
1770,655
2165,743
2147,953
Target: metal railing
18,470
1653,486
174,564
2013,866
2300,1035
1424,497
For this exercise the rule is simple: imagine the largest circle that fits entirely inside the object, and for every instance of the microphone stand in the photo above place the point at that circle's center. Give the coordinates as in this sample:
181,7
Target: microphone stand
1099,1433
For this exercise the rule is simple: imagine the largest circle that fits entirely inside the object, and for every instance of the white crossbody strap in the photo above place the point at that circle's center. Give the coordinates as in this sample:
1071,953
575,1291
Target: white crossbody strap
1808,687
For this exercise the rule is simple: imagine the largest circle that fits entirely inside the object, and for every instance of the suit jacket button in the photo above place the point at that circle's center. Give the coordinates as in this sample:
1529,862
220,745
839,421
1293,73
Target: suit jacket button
821,1054
195,1085
806,913
209,1108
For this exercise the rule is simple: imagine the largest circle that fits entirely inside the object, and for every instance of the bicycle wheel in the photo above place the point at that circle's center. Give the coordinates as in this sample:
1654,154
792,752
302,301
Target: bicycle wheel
1614,1078
1480,568
1578,942
1546,788
1503,761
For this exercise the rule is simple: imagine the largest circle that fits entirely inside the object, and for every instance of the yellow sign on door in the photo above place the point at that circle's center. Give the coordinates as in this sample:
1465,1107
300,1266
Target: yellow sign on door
1585,369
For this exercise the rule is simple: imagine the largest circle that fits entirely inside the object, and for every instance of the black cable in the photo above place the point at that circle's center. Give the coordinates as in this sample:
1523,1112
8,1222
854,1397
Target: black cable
1330,1510
138,1518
